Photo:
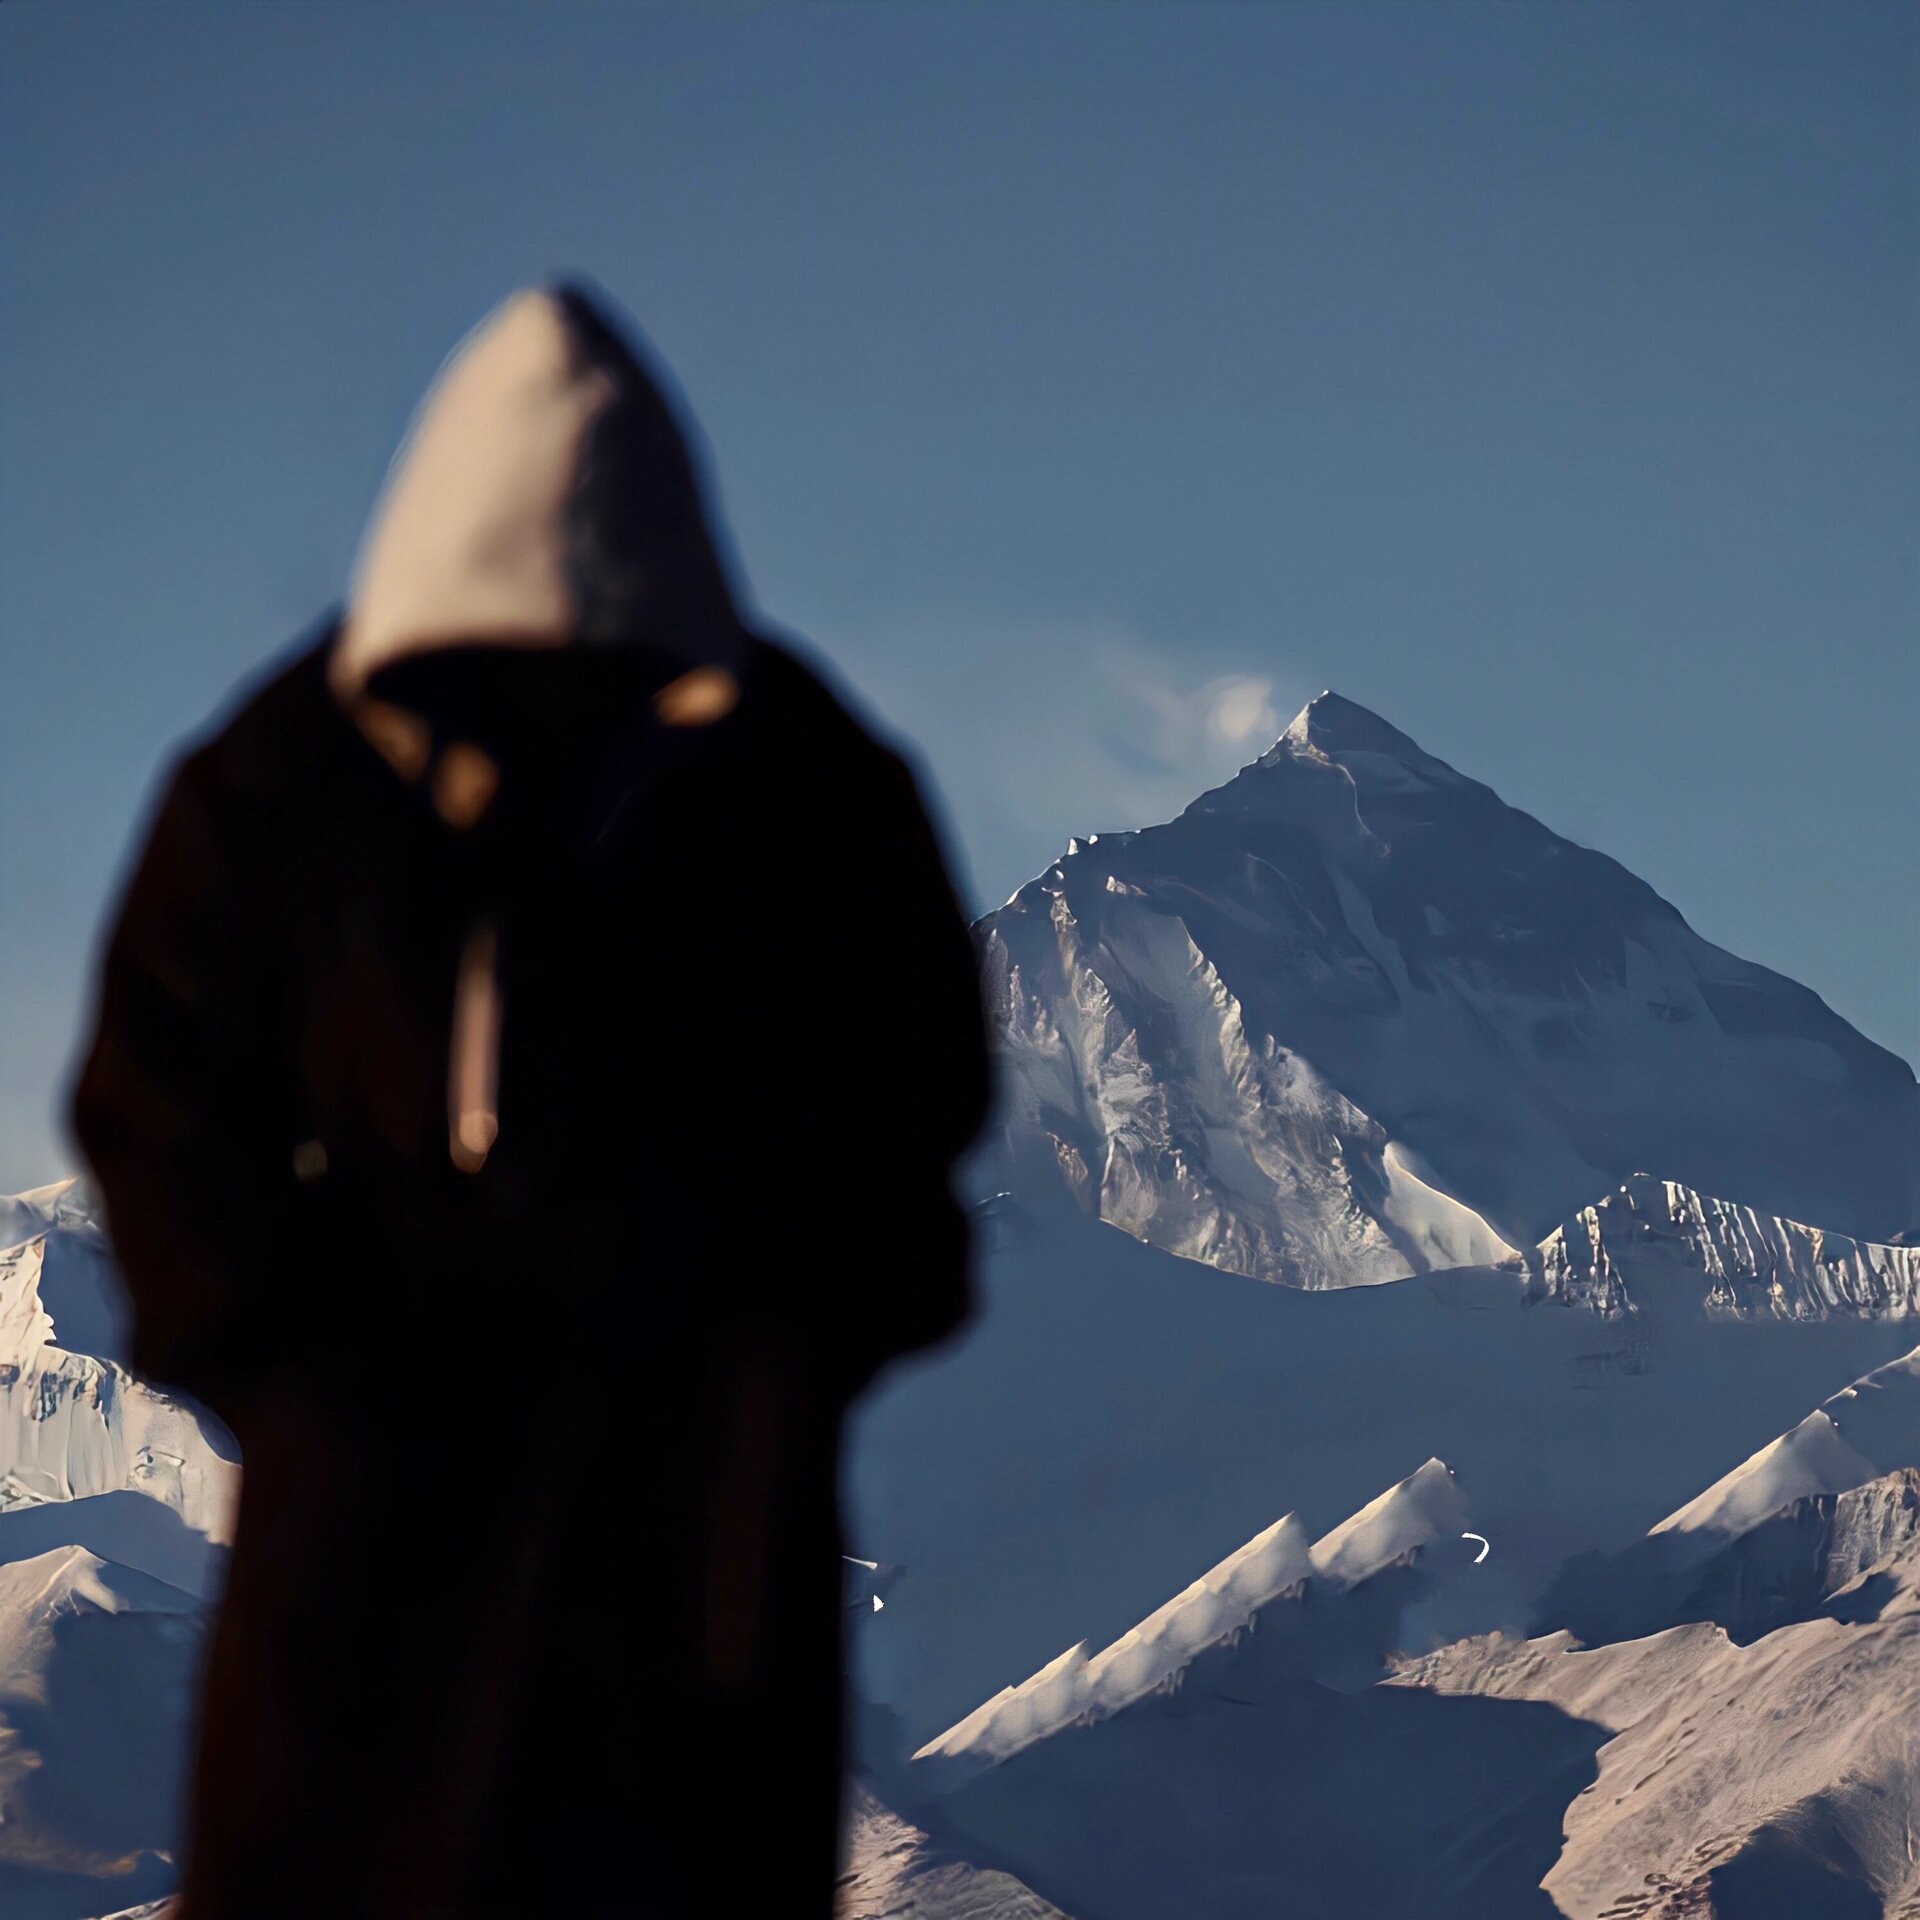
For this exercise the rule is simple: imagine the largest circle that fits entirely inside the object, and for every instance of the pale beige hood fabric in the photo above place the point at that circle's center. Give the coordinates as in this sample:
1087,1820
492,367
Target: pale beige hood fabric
468,544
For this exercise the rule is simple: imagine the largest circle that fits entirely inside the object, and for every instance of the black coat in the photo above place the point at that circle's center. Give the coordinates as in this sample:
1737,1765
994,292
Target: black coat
535,1599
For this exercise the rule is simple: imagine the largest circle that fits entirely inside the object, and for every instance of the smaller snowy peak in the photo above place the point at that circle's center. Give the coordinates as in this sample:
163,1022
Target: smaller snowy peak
1864,1432
1756,1265
1146,1659
1437,1230
98,1667
1750,1567
1427,1505
1808,1459
1274,1568
38,1591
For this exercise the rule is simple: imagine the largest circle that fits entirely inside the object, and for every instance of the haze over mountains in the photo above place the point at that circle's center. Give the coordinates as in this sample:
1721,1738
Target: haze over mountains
1374,1166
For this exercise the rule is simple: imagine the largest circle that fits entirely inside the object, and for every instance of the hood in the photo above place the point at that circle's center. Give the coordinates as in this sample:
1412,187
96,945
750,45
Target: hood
545,498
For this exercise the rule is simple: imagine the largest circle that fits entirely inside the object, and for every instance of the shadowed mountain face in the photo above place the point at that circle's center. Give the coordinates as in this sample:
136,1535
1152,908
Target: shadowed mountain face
1734,1741
1351,1016
1394,1801
891,1870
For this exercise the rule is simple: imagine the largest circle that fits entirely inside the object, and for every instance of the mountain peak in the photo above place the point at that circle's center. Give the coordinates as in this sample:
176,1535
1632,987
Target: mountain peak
1331,723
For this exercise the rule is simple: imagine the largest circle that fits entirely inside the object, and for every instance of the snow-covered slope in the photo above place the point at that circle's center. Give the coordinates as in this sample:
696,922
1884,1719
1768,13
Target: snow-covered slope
1426,1506
1865,1430
115,1504
1351,1017
73,1422
1273,1571
97,1664
1077,1686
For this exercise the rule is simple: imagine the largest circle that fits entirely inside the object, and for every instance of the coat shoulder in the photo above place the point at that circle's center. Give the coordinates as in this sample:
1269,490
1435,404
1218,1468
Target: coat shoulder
279,728
818,733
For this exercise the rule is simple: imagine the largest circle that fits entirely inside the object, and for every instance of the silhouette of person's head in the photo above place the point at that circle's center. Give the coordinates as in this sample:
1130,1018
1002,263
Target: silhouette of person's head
542,558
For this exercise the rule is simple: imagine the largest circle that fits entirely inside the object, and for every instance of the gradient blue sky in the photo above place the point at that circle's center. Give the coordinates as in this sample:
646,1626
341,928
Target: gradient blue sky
1093,384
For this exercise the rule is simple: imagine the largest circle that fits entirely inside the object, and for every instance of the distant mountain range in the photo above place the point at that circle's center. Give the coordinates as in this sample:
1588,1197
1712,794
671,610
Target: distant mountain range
1351,1020
1374,1167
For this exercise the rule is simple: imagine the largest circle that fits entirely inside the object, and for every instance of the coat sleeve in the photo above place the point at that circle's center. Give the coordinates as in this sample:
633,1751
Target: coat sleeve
917,1015
176,1108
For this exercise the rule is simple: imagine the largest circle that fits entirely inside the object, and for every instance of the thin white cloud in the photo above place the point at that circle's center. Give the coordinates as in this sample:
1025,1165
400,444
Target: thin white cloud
1033,734
1190,728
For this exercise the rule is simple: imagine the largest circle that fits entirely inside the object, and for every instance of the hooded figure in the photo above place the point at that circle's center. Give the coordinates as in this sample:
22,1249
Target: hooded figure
489,1105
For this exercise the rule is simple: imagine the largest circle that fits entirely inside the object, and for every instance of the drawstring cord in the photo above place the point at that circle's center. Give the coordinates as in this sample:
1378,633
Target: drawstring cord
473,1054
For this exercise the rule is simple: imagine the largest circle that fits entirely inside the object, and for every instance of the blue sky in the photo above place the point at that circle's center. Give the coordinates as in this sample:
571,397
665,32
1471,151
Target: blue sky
1092,384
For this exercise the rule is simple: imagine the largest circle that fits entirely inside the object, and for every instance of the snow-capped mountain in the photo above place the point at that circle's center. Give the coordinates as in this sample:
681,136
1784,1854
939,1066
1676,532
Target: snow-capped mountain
1352,1024
73,1422
116,1502
1351,1017
97,1665
1861,1433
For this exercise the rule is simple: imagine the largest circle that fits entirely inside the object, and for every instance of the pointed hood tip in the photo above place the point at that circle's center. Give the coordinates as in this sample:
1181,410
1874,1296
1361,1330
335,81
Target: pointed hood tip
547,493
